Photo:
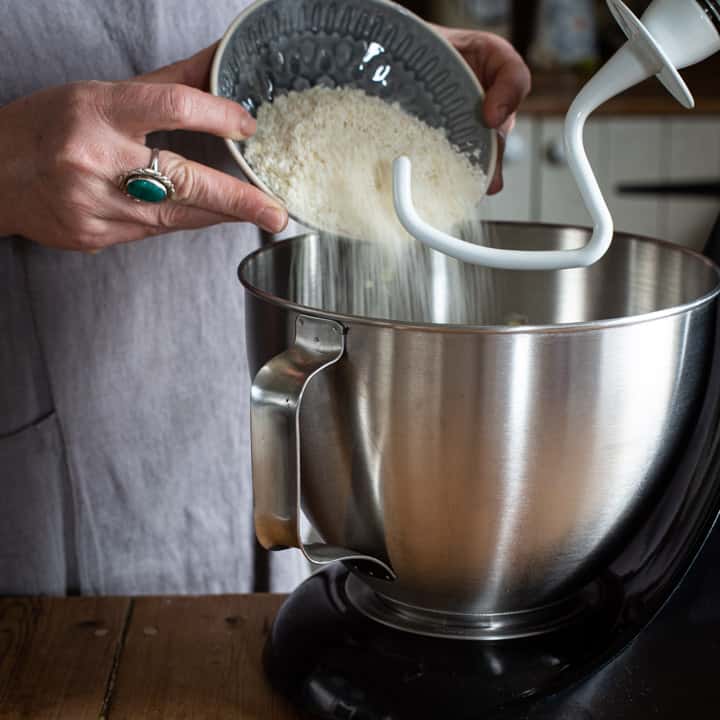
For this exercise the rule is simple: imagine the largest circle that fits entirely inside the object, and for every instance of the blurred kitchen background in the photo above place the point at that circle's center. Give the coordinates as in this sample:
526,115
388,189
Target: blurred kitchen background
642,137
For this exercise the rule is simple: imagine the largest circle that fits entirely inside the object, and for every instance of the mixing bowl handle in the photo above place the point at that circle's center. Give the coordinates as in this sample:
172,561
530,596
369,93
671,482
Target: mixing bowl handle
276,399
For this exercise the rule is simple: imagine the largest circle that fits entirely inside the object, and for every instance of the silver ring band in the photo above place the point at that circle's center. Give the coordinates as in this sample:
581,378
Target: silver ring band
148,184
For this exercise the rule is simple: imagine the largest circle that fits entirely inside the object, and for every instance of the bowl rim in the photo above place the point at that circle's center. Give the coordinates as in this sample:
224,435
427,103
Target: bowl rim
348,320
239,157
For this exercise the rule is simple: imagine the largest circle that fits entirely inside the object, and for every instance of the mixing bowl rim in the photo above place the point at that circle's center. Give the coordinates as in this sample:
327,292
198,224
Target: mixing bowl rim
591,325
232,144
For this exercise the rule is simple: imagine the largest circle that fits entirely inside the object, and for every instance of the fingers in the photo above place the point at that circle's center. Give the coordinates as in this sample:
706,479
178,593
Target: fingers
504,75
503,132
497,183
173,98
217,192
508,85
500,69
139,108
202,188
193,71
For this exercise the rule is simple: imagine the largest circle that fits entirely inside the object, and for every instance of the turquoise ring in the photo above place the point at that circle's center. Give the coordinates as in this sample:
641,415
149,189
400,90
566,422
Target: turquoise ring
148,184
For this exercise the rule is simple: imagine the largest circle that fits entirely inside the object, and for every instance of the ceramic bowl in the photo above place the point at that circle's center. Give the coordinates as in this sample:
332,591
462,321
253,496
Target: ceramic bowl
276,46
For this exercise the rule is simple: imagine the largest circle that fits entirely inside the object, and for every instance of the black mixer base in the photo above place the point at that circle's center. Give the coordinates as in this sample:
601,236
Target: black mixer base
334,662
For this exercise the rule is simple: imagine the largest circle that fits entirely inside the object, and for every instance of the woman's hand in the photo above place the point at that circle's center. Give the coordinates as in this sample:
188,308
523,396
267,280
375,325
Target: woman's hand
62,151
503,74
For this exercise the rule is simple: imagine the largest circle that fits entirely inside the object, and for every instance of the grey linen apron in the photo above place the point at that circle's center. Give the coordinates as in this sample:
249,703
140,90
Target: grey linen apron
124,428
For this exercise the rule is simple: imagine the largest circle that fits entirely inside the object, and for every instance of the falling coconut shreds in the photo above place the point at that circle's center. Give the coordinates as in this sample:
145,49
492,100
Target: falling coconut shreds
328,154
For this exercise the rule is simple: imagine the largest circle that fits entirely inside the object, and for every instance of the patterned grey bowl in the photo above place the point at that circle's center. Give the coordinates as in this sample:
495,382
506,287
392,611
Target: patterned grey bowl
276,46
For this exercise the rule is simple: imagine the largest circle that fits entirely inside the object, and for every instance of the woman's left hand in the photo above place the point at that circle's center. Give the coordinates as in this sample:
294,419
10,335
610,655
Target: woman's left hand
504,76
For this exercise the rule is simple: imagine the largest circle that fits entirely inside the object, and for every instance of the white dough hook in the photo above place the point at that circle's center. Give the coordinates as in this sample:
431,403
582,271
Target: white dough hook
672,34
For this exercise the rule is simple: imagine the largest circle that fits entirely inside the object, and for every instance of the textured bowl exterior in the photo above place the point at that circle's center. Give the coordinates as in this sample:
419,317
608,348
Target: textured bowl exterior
277,46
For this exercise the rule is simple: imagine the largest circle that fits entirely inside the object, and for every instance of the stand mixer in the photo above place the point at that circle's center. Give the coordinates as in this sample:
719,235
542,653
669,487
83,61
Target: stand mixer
510,506
516,520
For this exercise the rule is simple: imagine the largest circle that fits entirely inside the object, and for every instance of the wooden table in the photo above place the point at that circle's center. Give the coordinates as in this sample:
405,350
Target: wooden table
120,658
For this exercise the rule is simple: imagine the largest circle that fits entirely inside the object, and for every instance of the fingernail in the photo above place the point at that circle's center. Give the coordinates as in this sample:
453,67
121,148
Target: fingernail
248,127
497,185
272,219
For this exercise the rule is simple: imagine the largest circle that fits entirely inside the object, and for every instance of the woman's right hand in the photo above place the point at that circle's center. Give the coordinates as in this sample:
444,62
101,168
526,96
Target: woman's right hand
62,151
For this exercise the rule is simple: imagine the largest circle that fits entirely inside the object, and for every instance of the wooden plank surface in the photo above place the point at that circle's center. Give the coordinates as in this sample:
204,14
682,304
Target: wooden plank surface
196,658
56,655
113,658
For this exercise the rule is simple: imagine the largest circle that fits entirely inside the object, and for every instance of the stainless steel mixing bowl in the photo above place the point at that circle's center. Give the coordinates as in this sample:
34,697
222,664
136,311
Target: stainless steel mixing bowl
491,449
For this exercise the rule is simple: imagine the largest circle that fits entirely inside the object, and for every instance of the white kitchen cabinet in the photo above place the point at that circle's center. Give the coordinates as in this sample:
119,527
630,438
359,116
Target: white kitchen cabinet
557,197
634,154
692,153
